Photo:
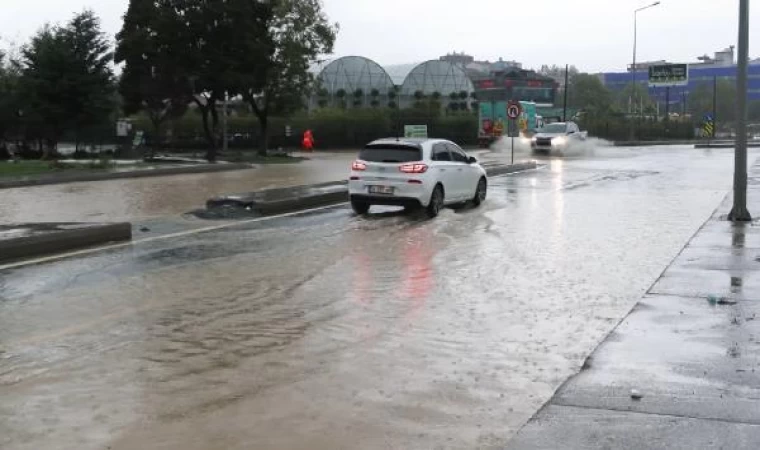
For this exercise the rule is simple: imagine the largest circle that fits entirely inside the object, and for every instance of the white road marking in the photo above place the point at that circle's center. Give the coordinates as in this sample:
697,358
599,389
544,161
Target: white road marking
89,251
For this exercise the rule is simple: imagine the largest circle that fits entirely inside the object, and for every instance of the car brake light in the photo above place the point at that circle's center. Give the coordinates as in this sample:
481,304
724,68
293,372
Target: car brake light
359,166
413,168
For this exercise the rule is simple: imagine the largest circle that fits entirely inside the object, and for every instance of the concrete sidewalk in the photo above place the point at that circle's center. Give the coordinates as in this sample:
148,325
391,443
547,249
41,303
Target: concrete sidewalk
682,371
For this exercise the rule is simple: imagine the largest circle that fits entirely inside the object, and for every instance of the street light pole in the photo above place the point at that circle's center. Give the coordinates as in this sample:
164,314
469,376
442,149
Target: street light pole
739,213
635,45
225,144
567,85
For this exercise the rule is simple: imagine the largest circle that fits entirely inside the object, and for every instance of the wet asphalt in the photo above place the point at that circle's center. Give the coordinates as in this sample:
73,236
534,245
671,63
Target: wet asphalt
147,199
329,331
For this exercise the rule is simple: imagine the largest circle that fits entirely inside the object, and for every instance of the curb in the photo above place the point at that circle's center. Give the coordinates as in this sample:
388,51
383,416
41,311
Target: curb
653,143
729,145
298,198
78,178
496,170
63,240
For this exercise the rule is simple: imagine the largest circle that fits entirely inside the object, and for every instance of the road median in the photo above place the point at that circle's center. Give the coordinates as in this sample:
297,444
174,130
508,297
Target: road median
23,241
284,200
62,178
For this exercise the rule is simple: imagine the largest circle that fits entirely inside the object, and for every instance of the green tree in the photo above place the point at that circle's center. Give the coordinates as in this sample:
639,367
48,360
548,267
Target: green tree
701,100
10,106
67,81
152,79
634,98
300,33
586,92
754,110
211,48
558,72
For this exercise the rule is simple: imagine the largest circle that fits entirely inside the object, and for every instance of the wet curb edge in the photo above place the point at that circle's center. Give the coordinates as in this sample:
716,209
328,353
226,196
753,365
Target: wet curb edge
102,176
63,240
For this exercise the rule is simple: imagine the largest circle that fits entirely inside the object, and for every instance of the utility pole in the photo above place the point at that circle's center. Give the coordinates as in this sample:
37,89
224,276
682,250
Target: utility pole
667,111
225,143
715,106
667,103
567,86
739,213
633,68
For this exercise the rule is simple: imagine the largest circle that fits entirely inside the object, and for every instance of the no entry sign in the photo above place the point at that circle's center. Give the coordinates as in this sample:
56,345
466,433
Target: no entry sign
514,109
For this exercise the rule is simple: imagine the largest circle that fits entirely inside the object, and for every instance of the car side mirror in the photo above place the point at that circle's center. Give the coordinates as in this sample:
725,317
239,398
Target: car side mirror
472,160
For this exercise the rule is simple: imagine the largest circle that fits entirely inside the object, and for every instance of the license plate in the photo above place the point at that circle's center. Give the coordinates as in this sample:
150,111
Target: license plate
384,190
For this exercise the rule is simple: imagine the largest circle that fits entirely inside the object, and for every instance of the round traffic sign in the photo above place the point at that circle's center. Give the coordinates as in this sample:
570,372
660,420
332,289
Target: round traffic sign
514,109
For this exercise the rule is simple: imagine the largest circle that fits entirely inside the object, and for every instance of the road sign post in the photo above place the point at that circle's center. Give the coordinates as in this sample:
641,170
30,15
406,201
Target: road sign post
514,111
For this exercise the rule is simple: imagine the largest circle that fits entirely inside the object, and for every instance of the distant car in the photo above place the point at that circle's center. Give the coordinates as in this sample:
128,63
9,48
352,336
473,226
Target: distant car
557,136
415,174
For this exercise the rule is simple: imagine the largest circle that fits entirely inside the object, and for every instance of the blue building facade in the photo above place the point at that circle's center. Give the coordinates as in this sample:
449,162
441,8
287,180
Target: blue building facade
679,94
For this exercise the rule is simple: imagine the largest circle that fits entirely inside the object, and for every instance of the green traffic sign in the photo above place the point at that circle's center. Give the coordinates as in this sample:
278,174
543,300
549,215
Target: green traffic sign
416,131
669,75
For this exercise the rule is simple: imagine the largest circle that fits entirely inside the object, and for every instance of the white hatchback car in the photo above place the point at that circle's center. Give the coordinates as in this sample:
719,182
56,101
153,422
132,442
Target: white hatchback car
415,173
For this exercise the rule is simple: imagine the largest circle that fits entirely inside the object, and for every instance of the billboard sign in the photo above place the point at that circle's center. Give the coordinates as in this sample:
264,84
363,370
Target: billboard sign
669,75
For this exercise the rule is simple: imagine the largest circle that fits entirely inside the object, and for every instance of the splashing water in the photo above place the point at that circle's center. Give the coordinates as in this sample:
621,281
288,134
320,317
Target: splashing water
523,149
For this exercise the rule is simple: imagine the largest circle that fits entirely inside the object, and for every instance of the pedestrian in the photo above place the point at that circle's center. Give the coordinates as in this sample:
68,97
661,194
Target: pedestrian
308,141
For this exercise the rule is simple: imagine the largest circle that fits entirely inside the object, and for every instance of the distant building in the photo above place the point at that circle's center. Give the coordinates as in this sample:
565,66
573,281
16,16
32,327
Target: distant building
515,84
458,59
358,82
721,65
470,65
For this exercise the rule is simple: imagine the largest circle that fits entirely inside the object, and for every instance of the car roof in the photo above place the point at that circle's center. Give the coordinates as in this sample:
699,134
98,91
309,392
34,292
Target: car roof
412,142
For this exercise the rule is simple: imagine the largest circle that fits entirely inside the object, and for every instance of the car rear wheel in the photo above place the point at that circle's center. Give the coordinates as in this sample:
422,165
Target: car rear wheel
436,202
481,192
360,207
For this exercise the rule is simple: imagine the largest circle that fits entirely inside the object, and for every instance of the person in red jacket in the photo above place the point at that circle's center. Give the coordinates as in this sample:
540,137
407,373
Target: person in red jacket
308,141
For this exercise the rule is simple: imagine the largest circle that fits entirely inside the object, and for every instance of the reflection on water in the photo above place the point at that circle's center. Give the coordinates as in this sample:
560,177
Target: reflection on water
333,331
738,238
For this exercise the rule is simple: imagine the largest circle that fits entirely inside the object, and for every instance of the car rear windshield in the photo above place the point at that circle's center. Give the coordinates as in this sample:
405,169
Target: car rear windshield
389,153
554,128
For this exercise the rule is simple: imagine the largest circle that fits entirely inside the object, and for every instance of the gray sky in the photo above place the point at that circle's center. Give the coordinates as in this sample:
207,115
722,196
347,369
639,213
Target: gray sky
595,35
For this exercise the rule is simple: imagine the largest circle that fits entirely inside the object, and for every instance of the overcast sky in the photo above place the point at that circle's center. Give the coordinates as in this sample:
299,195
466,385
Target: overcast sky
595,35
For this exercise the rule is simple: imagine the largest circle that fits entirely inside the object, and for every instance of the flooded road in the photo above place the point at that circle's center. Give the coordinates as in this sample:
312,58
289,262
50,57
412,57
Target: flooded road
330,331
147,198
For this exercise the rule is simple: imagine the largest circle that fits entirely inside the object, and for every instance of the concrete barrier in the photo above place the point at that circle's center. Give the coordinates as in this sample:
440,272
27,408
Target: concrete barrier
33,240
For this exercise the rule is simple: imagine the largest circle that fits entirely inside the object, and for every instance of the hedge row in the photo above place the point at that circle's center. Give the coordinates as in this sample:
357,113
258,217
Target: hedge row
335,128
619,129
332,129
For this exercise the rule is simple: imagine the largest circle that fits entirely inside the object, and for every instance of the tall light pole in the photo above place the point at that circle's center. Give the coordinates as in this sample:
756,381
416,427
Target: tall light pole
635,43
739,212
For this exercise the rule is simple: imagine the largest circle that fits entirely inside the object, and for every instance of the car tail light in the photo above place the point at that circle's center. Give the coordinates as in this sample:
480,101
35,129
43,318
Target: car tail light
359,166
414,168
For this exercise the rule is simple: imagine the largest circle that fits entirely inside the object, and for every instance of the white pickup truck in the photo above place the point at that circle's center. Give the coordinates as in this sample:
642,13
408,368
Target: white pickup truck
557,136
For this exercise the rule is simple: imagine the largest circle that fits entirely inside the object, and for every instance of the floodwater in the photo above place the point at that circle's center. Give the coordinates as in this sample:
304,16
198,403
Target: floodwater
148,198
330,331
